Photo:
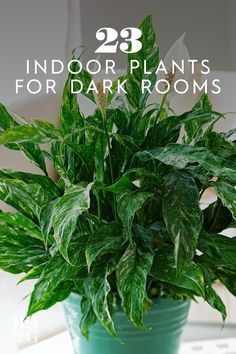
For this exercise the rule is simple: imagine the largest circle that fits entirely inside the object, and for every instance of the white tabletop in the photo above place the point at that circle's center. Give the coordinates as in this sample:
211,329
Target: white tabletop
61,344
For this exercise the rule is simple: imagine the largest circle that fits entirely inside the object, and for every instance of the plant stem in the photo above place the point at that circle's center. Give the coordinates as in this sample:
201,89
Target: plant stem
91,226
158,114
99,207
109,159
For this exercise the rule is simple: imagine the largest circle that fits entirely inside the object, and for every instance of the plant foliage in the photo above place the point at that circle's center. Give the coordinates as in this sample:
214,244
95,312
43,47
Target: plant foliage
123,222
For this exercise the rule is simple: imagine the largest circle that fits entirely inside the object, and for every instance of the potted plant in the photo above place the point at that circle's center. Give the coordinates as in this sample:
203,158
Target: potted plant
120,237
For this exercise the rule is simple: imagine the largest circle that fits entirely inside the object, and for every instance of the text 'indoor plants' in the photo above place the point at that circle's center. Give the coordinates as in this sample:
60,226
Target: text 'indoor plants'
121,232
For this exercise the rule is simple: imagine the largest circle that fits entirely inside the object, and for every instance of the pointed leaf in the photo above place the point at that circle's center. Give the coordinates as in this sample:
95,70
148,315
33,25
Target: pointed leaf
220,249
98,290
88,317
85,77
168,129
125,182
211,296
105,240
164,269
46,219
227,194
34,154
180,155
100,154
217,217
25,134
143,238
58,159
128,204
194,129
218,144
46,129
228,278
44,181
32,151
150,53
19,221
67,209
27,198
55,284
19,252
131,274
70,117
182,215
6,120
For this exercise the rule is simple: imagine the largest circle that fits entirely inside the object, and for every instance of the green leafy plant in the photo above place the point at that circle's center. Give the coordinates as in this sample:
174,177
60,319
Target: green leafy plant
123,222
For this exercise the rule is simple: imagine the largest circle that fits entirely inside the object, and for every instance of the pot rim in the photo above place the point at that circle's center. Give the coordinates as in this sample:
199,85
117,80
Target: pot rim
161,305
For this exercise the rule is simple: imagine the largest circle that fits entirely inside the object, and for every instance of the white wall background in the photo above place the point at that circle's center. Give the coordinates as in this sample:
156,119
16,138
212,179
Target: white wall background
233,33
208,25
29,29
41,26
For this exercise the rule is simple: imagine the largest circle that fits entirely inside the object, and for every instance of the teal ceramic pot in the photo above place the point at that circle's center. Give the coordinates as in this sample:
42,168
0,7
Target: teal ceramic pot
166,319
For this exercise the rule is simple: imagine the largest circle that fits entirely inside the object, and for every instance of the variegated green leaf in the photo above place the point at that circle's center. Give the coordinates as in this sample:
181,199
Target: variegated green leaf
46,218
32,151
114,87
167,131
55,284
217,217
164,269
6,120
182,215
44,181
26,198
228,279
46,129
19,252
67,209
132,272
34,154
98,290
126,183
85,77
227,194
106,240
88,317
70,117
215,301
101,151
219,249
36,131
128,204
194,129
218,144
34,273
211,296
180,155
24,134
57,153
150,53
19,221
